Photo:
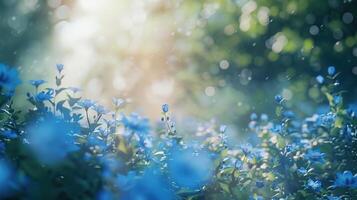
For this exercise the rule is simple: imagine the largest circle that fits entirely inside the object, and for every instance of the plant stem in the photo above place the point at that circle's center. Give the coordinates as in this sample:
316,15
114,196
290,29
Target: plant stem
87,116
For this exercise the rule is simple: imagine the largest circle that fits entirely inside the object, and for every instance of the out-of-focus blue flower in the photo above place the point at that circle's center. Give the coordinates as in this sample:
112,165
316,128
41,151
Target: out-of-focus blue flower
337,99
278,99
86,103
165,108
135,123
190,169
302,171
102,131
277,128
100,109
346,179
105,195
96,141
37,83
259,184
151,186
2,148
326,120
6,178
223,136
257,197
74,89
250,152
9,134
252,125
289,114
314,156
222,128
257,153
264,117
253,116
111,122
111,163
331,197
352,108
246,148
320,79
347,132
44,96
59,67
118,102
303,143
314,185
9,78
126,182
229,162
290,148
51,139
331,70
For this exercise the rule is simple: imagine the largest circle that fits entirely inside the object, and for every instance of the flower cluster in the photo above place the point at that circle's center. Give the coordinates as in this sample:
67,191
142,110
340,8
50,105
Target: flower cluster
68,147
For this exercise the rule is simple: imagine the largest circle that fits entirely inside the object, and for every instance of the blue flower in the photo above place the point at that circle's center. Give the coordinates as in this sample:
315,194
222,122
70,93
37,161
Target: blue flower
59,67
289,114
37,83
314,185
264,117
229,162
333,198
105,195
346,179
111,163
326,120
2,148
74,89
320,79
222,128
100,109
96,141
337,99
246,148
151,186
331,70
257,197
165,108
44,96
135,123
253,116
9,134
302,171
102,131
190,169
259,184
314,156
126,182
346,131
118,102
9,78
277,128
6,177
252,125
278,98
51,139
86,103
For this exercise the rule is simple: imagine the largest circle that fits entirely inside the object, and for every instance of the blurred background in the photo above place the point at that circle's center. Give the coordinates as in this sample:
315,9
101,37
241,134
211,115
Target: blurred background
220,59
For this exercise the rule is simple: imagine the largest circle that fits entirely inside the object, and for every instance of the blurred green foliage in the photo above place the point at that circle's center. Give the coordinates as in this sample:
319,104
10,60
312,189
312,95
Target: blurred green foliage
251,50
23,25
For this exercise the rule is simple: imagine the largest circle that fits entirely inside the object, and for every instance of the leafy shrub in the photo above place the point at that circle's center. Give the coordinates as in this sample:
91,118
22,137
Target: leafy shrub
67,147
